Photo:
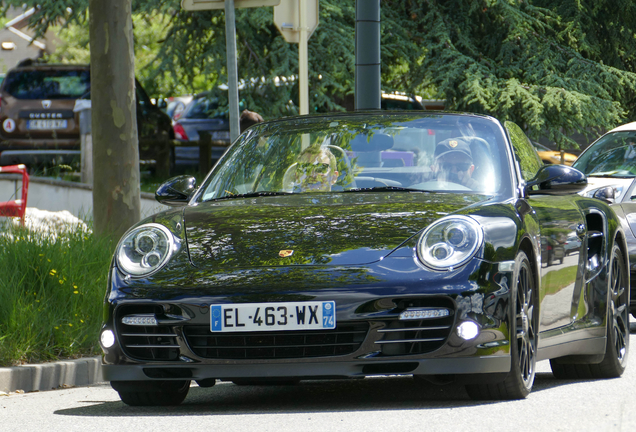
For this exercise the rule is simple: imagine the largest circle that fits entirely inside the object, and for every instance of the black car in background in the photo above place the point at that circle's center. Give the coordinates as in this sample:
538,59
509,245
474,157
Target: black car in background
362,244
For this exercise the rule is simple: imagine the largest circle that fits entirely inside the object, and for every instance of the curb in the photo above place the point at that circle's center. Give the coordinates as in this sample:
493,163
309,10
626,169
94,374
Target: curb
51,376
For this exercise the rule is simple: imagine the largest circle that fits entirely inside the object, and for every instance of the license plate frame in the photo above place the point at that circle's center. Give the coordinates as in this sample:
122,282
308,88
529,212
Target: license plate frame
47,124
278,316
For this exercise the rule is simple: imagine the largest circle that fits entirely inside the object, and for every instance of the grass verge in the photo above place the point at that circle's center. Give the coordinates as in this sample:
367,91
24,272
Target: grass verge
51,293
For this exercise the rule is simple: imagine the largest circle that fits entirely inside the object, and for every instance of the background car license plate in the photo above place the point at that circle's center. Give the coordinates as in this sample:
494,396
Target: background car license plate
46,124
252,317
220,135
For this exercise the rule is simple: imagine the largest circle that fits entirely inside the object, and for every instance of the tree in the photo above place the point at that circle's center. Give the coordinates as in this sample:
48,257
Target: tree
552,66
116,187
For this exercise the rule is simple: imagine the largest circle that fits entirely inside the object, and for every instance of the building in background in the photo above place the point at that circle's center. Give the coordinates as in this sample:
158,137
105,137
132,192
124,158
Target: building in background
17,42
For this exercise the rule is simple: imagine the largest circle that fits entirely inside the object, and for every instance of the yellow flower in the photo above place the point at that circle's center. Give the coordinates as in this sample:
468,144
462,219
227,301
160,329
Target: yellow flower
75,292
61,282
70,325
52,272
57,328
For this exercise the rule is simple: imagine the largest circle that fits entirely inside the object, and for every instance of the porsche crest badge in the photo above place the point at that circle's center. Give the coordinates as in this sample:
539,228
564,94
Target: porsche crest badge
285,253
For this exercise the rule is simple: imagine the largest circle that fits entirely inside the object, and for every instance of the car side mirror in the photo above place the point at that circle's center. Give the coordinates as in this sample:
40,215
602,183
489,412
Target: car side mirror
176,191
607,194
556,180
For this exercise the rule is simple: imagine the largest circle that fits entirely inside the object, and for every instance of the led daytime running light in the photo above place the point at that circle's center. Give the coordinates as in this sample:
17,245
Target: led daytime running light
140,320
417,314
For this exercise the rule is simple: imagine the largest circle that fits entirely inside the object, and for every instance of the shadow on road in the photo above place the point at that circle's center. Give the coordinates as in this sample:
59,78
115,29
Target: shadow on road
371,394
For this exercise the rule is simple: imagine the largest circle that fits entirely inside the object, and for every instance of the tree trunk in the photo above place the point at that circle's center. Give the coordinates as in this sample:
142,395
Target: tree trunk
116,185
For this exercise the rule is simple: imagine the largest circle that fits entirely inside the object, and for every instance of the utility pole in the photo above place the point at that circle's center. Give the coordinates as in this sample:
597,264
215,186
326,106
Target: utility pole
367,86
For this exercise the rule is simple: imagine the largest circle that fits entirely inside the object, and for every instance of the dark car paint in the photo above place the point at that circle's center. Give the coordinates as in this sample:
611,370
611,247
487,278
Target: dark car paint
371,279
392,273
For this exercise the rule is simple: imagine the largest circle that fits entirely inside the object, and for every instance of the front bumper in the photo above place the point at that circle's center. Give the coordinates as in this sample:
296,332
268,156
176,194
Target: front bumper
314,370
183,348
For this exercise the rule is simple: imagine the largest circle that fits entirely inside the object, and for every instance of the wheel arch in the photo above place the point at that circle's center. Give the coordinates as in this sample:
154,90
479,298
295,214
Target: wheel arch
526,246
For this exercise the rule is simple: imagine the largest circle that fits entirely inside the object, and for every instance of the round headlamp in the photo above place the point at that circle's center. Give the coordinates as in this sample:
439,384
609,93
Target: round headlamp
450,242
145,249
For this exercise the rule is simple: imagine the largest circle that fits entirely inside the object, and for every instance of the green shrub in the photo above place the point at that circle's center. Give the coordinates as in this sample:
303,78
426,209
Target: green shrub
51,293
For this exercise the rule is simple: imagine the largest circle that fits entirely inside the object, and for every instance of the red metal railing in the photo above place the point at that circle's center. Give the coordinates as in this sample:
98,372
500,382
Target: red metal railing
17,207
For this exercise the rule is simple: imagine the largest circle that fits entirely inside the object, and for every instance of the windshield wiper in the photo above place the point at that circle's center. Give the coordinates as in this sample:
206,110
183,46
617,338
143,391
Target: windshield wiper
385,189
252,195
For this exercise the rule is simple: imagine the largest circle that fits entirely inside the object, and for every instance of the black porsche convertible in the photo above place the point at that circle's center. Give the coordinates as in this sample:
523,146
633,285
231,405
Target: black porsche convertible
369,243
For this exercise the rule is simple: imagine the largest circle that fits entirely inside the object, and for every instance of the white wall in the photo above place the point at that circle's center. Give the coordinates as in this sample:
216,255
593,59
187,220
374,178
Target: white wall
57,195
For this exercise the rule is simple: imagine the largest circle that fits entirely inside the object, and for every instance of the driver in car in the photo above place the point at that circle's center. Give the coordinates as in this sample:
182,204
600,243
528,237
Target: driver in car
454,163
316,169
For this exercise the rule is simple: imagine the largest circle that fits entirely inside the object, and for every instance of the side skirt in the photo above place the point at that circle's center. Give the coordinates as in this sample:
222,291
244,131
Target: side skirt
586,344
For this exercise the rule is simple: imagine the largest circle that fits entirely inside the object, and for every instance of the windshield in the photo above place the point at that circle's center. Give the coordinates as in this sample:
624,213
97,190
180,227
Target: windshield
613,155
47,84
363,152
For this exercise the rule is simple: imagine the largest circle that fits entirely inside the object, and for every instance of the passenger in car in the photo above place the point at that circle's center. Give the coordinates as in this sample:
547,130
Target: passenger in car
316,169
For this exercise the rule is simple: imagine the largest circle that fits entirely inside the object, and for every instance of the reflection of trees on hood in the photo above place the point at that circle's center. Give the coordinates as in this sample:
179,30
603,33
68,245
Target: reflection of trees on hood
249,232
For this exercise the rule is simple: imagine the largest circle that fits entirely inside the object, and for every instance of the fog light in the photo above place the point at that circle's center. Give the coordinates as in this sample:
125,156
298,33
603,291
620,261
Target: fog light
140,320
424,313
468,330
107,338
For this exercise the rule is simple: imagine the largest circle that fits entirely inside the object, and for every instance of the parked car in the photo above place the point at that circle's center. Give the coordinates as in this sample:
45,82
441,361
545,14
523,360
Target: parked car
552,251
208,112
549,156
400,101
610,166
174,105
40,127
572,244
305,255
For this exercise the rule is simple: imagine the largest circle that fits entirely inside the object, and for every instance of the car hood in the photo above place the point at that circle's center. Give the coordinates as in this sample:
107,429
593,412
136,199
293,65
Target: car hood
311,229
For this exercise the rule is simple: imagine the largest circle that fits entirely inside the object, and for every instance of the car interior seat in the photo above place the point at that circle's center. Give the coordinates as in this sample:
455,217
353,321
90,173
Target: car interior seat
368,148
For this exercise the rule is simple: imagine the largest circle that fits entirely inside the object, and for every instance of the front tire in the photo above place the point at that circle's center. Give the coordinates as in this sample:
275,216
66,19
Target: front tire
617,346
523,340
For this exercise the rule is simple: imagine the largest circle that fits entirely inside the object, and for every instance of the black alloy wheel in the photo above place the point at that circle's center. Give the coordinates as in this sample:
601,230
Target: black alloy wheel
523,344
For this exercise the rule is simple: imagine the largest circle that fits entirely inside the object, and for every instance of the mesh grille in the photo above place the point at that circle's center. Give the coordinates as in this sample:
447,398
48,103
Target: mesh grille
404,337
344,339
146,342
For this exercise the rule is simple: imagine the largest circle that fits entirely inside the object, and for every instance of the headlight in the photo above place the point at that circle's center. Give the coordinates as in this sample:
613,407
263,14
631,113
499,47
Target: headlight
450,242
145,249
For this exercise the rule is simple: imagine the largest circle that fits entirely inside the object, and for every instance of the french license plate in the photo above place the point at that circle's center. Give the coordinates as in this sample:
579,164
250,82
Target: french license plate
46,124
254,317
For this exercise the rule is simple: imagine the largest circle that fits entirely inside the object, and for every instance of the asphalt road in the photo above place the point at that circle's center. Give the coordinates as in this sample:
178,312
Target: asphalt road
373,404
